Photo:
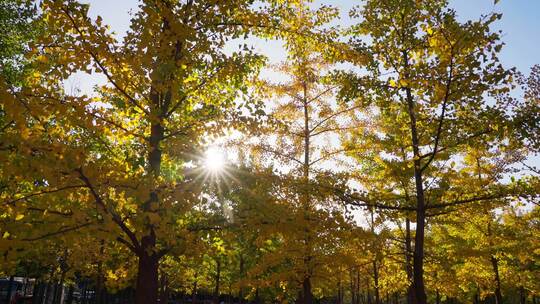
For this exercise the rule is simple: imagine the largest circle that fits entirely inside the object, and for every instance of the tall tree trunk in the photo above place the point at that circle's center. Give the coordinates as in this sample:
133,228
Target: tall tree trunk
418,261
522,295
98,292
418,258
358,295
70,294
160,99
218,278
340,292
164,289
376,282
59,295
352,286
25,284
36,291
368,290
307,294
374,263
84,293
494,261
241,287
147,279
9,293
408,264
99,276
42,293
229,295
498,294
48,292
55,293
194,291
257,296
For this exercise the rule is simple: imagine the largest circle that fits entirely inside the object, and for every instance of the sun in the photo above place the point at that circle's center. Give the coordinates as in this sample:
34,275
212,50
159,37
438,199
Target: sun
214,159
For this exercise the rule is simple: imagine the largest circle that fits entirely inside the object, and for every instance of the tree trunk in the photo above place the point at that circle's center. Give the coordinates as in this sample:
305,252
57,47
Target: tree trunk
374,263
59,295
55,293
36,291
9,293
352,286
25,284
48,292
241,287
164,284
84,292
148,276
70,294
376,282
100,278
147,279
418,262
229,295
358,295
307,295
340,293
408,264
522,295
194,291
498,294
218,278
368,292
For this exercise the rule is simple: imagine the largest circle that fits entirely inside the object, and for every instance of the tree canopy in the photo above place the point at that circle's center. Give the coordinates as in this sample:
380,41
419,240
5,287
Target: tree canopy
384,161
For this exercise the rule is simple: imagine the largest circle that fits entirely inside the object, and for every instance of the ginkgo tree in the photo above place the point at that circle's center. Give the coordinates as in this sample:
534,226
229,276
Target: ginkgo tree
116,158
303,122
477,229
429,78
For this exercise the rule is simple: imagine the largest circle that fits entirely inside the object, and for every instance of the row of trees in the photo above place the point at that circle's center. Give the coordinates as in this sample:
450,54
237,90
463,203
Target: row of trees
388,161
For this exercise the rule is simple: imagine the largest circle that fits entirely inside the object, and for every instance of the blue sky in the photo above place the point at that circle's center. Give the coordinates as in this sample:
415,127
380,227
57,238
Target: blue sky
520,26
520,23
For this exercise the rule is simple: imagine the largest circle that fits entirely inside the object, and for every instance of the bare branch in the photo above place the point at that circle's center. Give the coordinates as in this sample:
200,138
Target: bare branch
441,117
60,231
331,130
43,192
333,115
115,217
283,155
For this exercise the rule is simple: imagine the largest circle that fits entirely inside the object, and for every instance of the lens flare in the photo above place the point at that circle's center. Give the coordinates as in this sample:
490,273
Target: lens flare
214,159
